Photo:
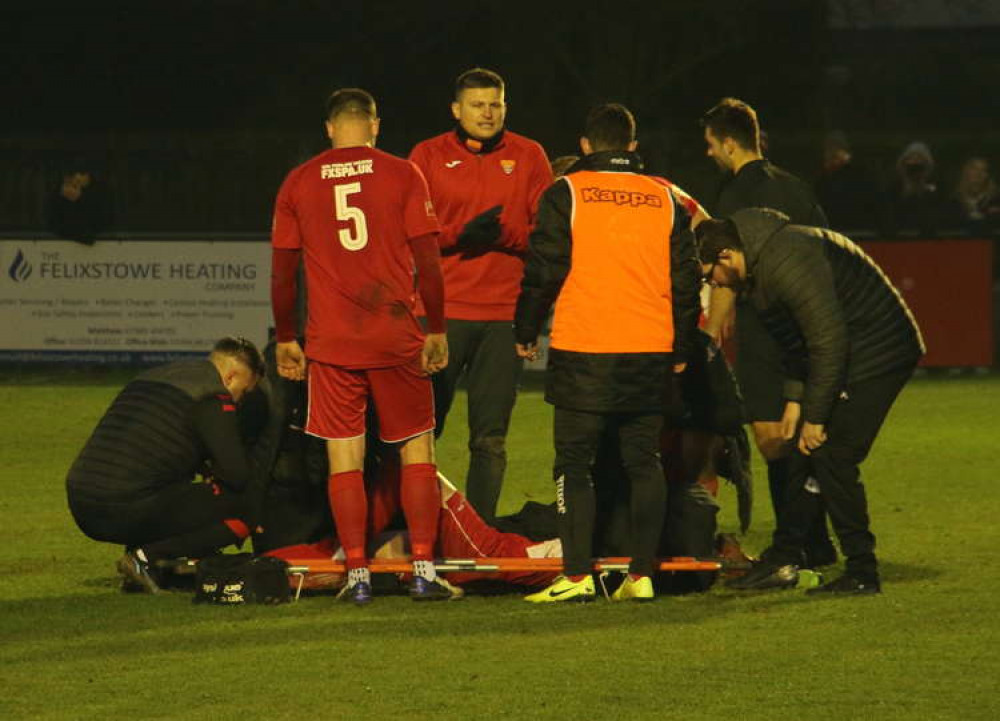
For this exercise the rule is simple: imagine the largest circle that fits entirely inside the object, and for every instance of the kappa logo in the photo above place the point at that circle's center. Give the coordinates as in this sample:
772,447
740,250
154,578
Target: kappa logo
452,163
20,270
621,197
508,166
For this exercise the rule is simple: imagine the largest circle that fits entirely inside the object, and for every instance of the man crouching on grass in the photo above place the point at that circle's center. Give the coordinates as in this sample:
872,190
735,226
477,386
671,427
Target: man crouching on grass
132,482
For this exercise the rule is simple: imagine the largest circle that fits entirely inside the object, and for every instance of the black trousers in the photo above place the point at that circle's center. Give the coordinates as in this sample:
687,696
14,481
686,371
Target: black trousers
190,512
484,352
835,467
577,436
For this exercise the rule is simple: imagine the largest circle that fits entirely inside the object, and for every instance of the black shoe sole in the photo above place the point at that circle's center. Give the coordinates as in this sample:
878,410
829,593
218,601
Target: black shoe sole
830,593
769,582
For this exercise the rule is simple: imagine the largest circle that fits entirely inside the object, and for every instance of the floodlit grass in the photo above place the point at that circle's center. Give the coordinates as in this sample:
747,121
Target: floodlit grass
73,647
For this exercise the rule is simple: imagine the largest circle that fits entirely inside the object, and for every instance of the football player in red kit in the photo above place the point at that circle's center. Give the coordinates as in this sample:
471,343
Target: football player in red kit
363,222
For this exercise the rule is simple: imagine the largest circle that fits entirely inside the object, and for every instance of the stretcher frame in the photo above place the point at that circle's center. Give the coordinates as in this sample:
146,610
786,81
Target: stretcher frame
501,565
300,567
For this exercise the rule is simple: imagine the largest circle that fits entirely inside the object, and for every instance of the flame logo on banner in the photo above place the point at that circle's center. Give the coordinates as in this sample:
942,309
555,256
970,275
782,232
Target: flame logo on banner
20,269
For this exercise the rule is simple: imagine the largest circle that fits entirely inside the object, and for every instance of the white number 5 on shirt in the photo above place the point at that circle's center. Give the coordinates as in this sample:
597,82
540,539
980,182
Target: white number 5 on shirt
358,238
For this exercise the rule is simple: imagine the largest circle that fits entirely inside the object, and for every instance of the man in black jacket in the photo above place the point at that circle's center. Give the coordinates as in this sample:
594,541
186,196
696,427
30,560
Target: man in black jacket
613,250
732,137
132,482
849,345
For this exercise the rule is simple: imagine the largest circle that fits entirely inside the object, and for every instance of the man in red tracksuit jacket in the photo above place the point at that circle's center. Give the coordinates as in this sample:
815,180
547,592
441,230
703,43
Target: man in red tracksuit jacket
485,182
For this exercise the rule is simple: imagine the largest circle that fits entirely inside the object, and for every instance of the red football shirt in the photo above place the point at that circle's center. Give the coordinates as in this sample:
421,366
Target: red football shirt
353,211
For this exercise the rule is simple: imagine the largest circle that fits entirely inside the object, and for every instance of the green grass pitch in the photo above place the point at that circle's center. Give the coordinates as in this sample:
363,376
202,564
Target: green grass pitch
72,647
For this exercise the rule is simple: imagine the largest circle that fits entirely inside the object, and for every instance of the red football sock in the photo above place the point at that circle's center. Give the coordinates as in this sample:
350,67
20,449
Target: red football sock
350,513
383,497
421,506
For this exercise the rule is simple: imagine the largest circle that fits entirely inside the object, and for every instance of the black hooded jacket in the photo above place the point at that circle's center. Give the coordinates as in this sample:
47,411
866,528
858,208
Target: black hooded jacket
836,316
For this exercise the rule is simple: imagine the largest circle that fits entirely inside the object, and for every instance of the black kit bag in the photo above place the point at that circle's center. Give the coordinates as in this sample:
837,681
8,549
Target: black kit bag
232,579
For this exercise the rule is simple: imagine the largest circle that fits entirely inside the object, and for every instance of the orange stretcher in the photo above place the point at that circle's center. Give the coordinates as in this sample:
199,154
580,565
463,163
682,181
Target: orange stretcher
500,565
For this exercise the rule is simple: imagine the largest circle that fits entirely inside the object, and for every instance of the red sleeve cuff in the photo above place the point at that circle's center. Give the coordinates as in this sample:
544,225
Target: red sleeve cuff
430,281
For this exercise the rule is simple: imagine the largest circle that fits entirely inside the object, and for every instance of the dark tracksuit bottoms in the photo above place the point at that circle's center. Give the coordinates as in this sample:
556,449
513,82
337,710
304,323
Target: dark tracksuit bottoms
851,431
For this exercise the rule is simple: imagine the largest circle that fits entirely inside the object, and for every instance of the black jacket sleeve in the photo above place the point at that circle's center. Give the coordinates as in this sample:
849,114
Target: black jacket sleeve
218,428
801,279
264,452
685,282
549,253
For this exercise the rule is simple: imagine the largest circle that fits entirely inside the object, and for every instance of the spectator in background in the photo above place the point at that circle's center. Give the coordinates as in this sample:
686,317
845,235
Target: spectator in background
976,199
848,193
914,201
79,209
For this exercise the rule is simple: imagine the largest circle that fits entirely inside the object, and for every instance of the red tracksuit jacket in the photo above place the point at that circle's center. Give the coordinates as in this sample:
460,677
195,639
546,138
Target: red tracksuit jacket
463,184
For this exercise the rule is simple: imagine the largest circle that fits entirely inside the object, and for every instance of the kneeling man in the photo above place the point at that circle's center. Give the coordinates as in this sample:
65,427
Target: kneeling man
132,483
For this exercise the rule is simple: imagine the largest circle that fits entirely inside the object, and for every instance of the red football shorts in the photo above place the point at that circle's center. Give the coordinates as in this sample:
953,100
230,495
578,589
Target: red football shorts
338,400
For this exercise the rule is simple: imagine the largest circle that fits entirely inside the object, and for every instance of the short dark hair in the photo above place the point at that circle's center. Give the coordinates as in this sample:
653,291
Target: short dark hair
477,78
351,100
610,127
714,235
732,118
242,350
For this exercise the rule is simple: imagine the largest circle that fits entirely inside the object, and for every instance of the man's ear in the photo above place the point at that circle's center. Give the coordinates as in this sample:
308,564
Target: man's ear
585,146
329,129
455,110
632,146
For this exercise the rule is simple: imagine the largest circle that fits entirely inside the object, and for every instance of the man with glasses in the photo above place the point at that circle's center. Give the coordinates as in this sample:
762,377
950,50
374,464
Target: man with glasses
848,344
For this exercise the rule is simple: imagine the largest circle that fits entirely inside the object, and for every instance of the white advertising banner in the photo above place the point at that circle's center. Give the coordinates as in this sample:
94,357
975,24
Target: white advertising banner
129,302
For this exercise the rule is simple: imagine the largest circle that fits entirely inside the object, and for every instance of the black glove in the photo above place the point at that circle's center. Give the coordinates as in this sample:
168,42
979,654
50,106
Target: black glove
481,232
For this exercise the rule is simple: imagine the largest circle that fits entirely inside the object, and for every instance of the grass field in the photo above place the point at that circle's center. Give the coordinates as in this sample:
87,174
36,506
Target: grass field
75,648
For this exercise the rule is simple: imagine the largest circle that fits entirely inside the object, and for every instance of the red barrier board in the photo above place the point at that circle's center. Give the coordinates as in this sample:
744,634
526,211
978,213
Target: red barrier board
948,285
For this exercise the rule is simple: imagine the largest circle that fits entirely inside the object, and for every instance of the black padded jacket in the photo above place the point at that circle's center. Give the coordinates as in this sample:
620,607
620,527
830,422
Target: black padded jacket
836,316
161,429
